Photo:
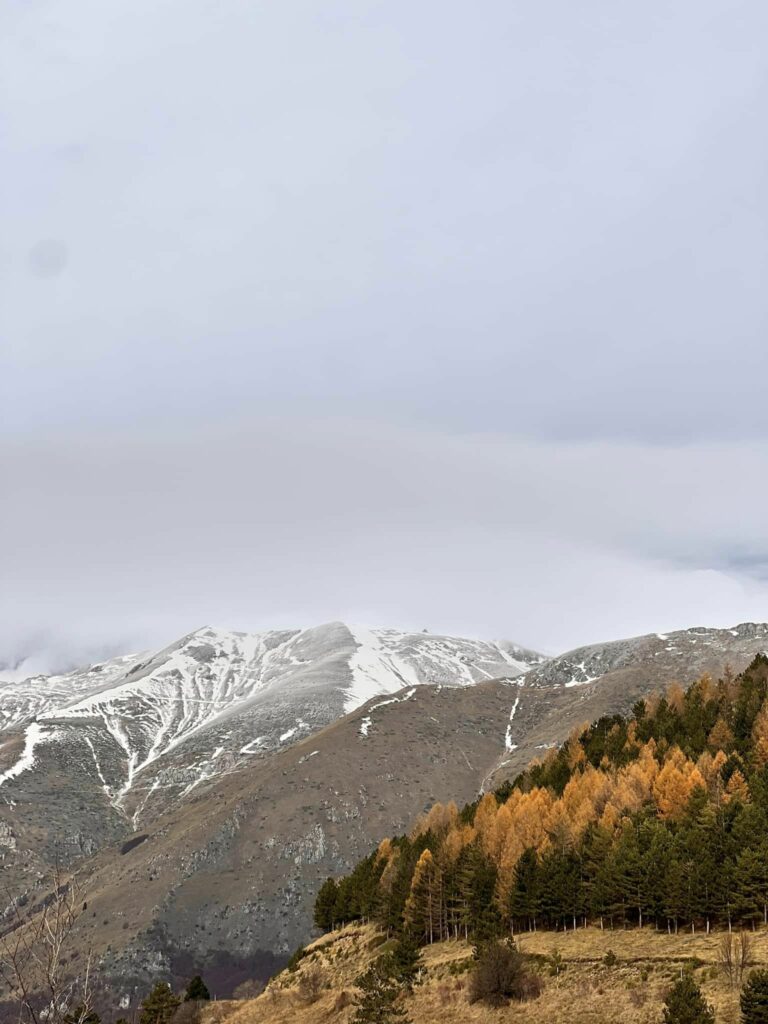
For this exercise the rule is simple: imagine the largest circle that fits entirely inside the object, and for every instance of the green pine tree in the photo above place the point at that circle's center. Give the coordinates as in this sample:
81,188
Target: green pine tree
685,1004
751,884
377,1002
325,905
197,991
524,898
404,963
754,998
160,1005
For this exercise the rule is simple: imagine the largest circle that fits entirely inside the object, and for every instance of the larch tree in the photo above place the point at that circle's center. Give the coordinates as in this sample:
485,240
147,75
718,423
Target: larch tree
675,784
736,788
424,908
760,738
720,737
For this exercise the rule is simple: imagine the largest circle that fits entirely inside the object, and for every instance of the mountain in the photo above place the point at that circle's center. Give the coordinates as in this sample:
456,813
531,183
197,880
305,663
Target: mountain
224,876
90,756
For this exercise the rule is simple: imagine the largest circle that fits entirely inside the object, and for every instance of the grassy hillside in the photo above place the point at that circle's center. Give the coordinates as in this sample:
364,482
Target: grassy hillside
585,991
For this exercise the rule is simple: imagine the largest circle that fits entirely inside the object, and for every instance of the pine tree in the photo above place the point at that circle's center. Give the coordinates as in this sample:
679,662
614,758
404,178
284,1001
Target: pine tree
524,898
477,884
159,1006
754,998
403,962
325,905
751,884
675,887
197,991
685,1004
377,1002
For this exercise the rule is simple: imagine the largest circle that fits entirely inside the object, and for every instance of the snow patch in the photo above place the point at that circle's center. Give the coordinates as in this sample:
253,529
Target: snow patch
576,681
33,736
365,725
248,748
509,746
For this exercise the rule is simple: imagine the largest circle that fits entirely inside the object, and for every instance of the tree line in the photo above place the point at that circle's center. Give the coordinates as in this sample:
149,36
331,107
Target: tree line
659,817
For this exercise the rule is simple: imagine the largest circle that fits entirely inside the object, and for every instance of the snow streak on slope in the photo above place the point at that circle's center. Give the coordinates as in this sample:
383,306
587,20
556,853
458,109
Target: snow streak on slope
365,725
162,702
217,695
509,746
34,735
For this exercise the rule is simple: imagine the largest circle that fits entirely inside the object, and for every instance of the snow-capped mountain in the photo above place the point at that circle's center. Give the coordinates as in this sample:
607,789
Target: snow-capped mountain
136,734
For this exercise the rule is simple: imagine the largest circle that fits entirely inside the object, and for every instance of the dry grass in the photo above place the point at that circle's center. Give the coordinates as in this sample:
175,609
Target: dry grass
586,991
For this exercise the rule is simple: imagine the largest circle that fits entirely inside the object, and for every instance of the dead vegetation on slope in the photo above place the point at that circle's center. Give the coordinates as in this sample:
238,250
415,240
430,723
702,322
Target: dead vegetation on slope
590,977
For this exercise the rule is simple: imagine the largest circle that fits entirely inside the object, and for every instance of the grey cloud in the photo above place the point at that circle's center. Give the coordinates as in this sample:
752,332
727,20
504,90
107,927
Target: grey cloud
398,312
549,220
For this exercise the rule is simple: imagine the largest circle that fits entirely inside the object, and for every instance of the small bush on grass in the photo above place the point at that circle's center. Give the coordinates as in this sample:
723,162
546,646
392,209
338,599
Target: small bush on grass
311,984
501,975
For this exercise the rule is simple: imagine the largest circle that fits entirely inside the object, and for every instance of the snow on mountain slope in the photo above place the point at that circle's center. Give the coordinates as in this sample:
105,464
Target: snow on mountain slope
22,701
386,660
195,708
682,654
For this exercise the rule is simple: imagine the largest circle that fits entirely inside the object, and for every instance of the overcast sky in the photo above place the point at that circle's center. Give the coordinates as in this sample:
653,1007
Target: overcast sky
428,314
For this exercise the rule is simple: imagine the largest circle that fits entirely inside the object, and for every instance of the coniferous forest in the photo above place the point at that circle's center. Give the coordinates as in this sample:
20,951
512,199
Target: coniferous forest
657,819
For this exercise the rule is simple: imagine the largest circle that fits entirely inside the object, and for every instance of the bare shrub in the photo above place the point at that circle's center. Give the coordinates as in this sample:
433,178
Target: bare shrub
743,952
36,945
311,984
531,986
733,956
249,989
725,956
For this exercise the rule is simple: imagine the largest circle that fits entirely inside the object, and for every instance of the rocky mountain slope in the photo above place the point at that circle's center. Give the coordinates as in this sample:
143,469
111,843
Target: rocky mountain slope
90,756
226,876
608,678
